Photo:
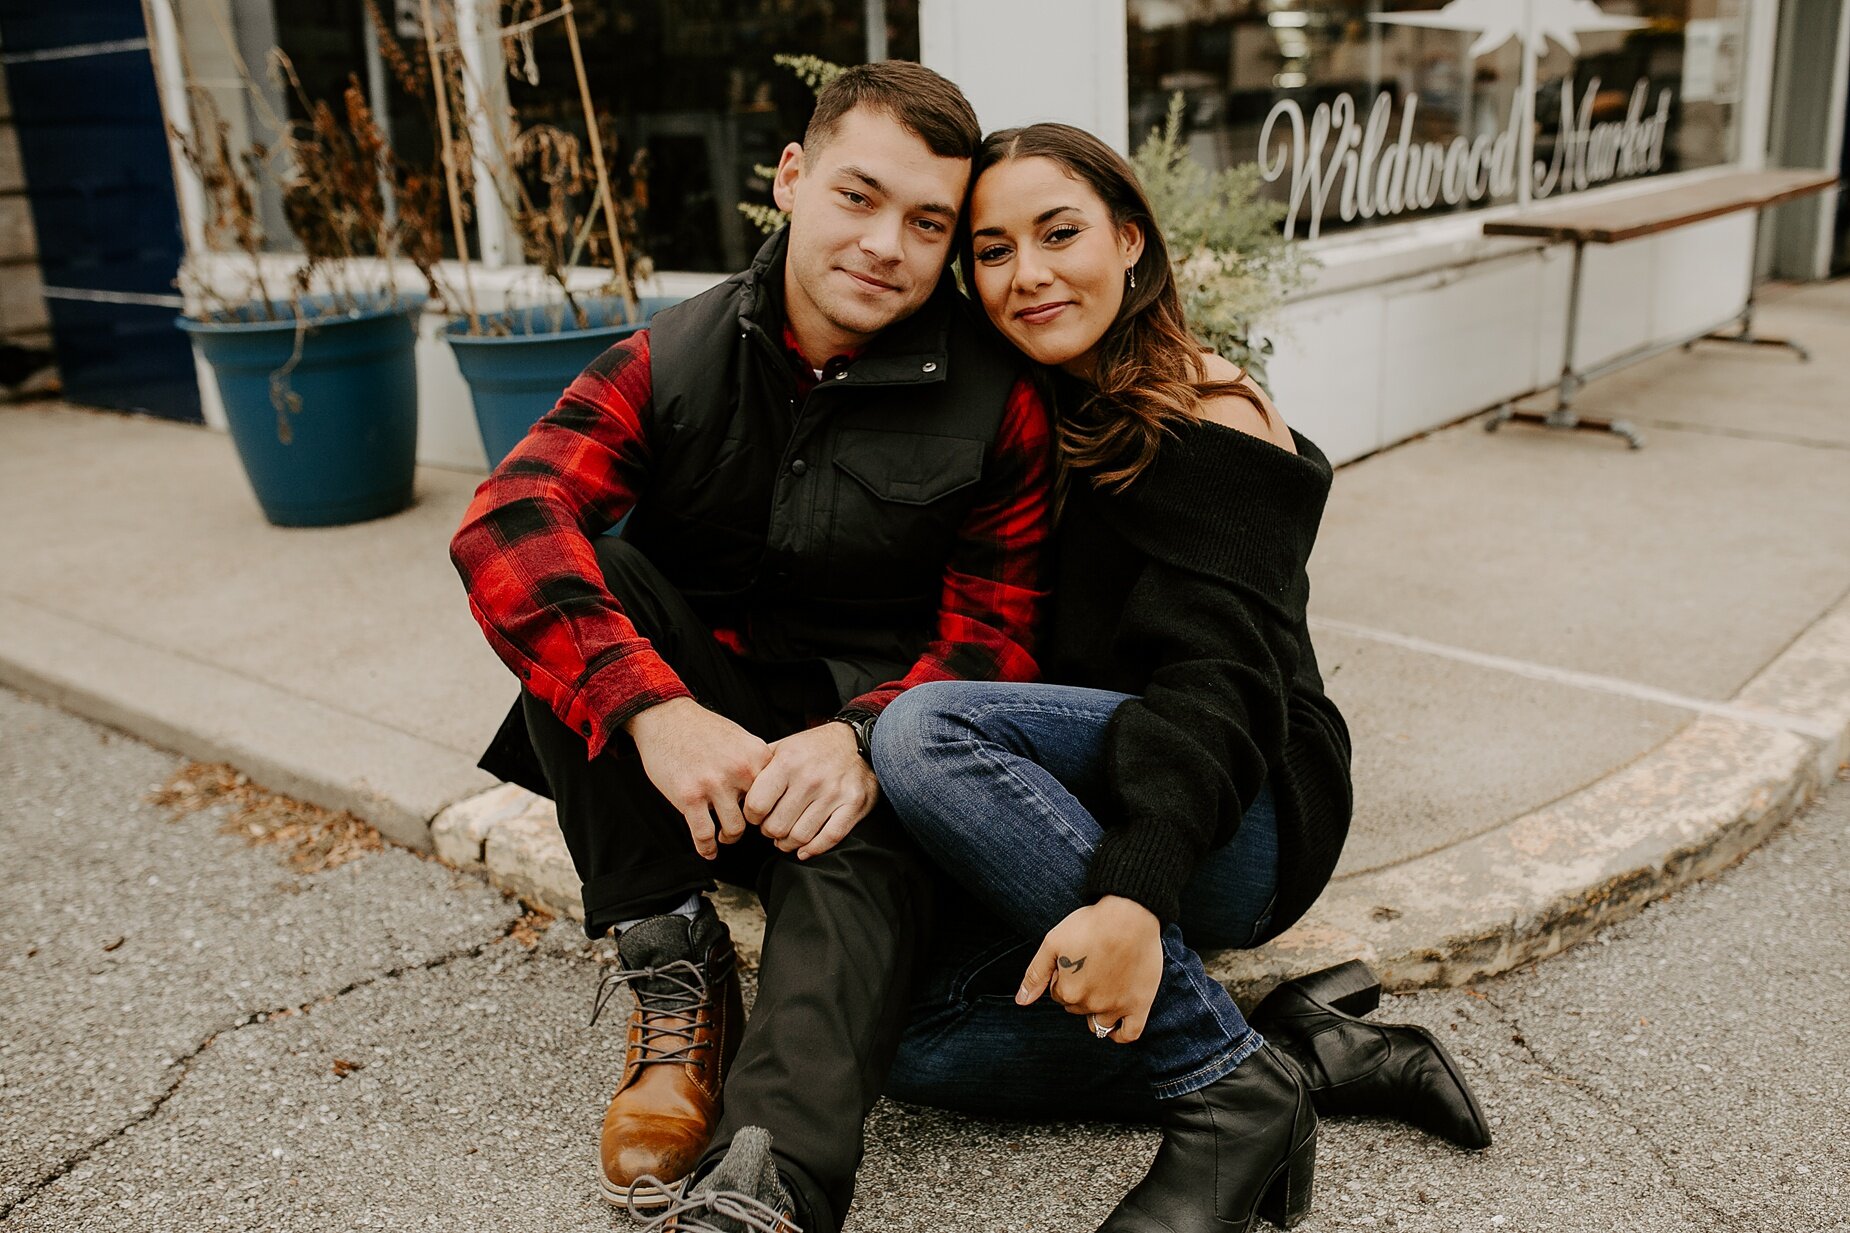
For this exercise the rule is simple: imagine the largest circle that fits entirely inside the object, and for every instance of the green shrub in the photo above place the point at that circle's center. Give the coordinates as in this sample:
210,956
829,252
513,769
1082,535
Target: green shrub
1233,266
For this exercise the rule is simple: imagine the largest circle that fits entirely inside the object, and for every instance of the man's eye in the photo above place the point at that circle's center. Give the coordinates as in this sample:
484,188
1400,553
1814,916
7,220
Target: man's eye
926,224
853,197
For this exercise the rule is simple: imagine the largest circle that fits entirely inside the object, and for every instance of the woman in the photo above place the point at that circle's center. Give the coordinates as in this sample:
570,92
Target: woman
1187,779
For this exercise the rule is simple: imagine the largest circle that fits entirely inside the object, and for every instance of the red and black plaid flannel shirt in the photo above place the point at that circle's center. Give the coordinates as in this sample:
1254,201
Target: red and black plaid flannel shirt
525,556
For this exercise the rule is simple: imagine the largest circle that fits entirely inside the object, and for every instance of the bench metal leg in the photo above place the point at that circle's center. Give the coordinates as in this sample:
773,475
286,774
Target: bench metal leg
1744,332
1564,415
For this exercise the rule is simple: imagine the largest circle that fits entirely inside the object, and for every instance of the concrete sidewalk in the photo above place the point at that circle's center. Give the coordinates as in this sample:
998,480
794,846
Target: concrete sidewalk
1577,675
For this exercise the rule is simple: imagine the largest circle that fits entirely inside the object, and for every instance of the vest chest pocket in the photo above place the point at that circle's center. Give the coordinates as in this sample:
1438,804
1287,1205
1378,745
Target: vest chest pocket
900,498
907,470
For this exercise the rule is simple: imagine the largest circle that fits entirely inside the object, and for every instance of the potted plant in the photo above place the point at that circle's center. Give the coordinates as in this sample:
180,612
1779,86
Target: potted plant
518,357
1232,265
315,371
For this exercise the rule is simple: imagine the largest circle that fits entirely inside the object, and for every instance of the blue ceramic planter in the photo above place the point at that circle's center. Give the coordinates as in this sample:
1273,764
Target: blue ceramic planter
348,454
516,374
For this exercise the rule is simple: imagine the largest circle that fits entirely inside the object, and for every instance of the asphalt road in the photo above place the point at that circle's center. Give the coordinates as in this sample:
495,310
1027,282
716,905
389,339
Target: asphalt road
195,1036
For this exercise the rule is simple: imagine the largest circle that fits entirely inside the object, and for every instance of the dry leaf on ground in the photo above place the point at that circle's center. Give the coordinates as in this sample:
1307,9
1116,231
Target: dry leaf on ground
532,923
316,839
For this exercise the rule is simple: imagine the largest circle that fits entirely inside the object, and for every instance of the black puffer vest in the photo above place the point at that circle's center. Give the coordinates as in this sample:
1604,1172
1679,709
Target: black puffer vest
819,526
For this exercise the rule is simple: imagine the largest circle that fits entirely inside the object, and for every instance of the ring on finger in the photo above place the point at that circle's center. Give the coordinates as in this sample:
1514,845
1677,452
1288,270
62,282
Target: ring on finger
1100,1030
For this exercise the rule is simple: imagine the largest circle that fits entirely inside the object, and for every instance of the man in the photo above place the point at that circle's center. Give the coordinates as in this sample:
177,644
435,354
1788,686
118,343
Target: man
839,490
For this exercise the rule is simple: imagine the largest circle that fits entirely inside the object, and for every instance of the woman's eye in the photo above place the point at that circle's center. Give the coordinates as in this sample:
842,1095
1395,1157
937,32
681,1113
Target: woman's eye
995,252
1060,235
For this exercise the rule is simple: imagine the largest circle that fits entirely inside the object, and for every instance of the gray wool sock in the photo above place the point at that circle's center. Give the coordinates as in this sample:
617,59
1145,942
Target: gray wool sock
748,1169
690,908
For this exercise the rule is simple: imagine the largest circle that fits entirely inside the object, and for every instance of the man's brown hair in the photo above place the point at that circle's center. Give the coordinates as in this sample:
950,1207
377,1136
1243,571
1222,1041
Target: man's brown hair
924,102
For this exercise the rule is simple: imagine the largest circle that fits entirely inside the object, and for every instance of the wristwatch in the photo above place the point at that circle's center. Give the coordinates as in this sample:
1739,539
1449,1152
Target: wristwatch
863,725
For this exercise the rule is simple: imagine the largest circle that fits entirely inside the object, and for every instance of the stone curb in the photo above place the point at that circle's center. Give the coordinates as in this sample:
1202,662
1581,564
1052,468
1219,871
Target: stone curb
1522,891
1539,883
289,743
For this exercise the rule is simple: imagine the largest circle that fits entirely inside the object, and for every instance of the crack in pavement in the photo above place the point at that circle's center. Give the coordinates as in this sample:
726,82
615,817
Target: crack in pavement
1520,1039
186,1060
1745,434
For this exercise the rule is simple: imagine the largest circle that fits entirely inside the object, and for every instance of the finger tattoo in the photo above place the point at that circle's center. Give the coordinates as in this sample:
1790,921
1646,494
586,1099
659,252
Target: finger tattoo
1071,965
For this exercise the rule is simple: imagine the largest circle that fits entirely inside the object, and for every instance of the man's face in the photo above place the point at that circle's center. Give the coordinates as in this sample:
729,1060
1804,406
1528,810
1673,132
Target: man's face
871,217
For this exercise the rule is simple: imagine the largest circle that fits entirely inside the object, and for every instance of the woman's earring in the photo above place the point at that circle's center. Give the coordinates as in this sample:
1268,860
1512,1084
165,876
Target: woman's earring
1130,272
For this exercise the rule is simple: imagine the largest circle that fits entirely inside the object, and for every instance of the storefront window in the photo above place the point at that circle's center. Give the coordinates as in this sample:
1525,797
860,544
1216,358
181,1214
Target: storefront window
693,83
690,83
228,49
1370,111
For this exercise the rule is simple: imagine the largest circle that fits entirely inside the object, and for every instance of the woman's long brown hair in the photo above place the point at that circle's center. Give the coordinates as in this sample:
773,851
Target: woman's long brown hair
1150,378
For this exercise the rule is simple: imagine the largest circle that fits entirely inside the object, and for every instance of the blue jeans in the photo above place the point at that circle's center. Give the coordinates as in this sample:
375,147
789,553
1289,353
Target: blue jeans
993,782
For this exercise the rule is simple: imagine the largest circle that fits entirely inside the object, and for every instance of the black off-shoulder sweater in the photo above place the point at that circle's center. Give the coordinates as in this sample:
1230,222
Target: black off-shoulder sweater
1189,590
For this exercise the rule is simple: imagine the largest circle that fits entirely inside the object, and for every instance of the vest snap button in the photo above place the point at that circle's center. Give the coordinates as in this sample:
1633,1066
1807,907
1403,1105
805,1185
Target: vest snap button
931,367
842,373
798,467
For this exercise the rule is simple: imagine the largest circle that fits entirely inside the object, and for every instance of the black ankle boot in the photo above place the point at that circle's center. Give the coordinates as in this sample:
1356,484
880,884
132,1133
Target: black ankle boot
1391,1070
1242,1146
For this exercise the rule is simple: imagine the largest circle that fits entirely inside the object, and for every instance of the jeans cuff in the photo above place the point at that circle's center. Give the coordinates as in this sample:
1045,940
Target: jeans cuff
1219,1068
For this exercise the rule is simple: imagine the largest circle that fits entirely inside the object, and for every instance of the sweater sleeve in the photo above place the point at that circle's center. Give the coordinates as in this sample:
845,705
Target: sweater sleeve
1192,749
1225,522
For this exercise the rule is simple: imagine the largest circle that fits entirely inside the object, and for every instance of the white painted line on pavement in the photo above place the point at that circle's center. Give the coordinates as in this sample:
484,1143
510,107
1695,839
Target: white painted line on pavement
1798,724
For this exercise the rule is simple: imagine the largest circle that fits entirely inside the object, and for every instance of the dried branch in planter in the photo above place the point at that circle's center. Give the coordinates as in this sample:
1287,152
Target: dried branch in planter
517,23
631,199
412,76
230,180
549,227
347,199
420,227
335,201
456,161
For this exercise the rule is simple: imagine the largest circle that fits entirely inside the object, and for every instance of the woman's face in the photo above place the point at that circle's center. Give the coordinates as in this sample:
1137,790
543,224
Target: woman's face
1050,263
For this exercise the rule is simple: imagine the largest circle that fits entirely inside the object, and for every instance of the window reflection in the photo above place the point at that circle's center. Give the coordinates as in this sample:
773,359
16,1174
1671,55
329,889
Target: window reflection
1422,102
692,82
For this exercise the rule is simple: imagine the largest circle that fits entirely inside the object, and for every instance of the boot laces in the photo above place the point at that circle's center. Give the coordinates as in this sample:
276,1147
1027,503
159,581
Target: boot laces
685,997
694,1213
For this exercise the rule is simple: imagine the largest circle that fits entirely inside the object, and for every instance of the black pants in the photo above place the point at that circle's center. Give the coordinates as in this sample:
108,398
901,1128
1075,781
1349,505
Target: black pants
842,930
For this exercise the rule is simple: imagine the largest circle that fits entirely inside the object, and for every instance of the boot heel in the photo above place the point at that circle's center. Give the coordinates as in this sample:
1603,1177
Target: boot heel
1348,987
1287,1198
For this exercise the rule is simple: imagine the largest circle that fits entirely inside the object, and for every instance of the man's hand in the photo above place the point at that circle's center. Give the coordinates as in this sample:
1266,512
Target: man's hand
813,791
1104,960
703,763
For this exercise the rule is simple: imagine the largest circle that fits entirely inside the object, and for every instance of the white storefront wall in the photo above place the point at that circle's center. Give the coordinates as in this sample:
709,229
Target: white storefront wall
1404,327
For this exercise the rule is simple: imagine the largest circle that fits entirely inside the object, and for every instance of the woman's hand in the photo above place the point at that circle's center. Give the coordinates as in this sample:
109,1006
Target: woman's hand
1104,960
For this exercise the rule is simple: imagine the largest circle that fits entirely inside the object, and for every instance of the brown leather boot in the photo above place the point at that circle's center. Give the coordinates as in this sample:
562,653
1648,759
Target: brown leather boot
683,1034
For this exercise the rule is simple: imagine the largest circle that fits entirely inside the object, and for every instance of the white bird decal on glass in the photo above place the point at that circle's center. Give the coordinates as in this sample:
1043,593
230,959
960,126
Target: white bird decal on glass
1502,20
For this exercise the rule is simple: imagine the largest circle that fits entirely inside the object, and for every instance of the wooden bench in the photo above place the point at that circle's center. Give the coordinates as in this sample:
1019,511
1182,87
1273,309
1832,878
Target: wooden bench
1630,218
